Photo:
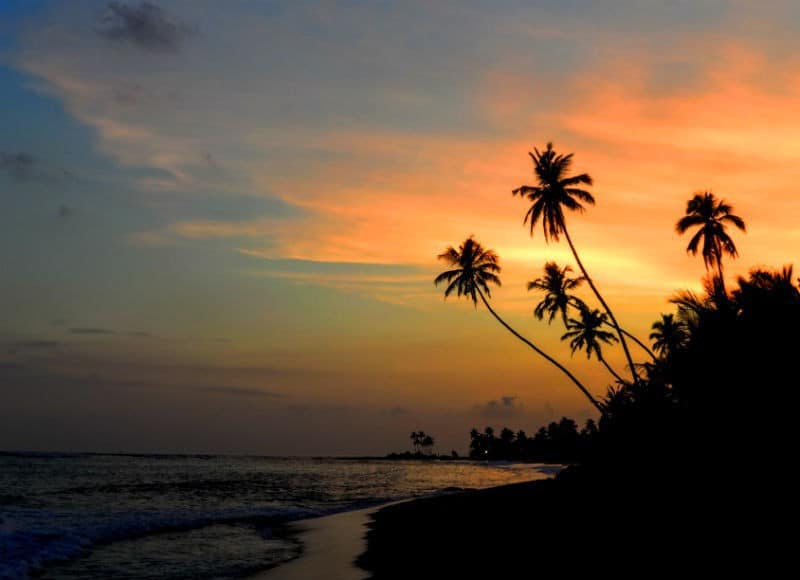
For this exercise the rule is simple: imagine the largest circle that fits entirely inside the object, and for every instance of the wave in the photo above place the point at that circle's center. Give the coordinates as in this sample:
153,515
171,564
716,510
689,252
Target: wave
26,547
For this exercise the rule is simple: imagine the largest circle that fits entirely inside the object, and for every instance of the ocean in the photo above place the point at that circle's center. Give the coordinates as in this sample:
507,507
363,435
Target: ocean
195,516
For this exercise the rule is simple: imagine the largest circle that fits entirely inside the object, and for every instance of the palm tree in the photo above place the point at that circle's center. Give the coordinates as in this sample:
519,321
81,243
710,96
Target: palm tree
427,443
556,284
711,215
474,268
587,333
669,335
416,437
554,192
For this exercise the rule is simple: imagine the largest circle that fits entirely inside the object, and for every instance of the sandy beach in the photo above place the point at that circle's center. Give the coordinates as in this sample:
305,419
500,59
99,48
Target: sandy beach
331,545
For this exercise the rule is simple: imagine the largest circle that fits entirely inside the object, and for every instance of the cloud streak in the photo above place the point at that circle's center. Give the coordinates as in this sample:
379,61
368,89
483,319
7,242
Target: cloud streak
24,344
91,330
238,391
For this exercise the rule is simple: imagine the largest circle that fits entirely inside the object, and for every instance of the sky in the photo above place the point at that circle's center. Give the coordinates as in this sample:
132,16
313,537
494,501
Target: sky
219,221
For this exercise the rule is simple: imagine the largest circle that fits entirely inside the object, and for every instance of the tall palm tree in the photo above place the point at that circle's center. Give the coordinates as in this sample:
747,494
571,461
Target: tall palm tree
554,192
711,215
587,333
556,285
669,335
474,268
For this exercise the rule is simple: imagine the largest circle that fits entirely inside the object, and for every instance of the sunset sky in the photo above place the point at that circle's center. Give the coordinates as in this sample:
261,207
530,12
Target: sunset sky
219,221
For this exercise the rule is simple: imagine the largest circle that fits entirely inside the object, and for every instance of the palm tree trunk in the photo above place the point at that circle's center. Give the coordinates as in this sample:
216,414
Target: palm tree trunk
539,351
611,370
605,306
637,341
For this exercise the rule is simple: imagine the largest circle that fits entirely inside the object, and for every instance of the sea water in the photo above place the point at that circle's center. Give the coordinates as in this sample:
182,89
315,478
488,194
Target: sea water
195,516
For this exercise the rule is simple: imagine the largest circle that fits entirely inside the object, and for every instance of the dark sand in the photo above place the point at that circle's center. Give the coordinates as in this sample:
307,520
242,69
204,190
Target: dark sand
568,528
624,526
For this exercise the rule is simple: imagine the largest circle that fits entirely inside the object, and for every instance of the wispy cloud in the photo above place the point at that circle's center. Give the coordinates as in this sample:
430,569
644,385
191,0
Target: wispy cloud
90,330
24,344
238,391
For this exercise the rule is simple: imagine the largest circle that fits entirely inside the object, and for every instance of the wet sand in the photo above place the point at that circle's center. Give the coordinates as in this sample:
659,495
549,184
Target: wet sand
331,545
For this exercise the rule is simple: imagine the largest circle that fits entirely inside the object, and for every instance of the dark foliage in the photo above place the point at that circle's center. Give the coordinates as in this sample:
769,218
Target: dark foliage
559,442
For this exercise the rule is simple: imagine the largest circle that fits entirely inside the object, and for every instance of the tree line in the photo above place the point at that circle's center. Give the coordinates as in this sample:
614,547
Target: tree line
560,441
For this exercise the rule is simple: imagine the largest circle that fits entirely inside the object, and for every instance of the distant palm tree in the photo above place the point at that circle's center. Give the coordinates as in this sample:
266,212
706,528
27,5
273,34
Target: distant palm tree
669,335
427,443
711,215
587,333
556,284
416,437
474,269
555,191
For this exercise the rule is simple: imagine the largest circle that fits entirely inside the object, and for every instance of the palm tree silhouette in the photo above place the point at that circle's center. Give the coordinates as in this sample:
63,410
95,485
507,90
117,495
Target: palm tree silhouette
587,333
427,443
711,215
556,285
669,335
474,268
554,192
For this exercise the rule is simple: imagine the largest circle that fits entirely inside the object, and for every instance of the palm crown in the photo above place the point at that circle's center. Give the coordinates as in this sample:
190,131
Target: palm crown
712,215
476,269
556,285
587,333
669,334
554,191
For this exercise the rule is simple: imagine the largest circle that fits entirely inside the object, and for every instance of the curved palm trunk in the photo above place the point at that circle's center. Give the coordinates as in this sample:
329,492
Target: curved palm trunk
539,351
611,370
605,306
637,341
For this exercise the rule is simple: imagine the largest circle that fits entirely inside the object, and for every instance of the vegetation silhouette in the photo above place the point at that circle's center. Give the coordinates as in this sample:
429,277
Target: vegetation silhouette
711,215
687,464
557,442
422,445
475,268
669,335
556,286
554,192
587,334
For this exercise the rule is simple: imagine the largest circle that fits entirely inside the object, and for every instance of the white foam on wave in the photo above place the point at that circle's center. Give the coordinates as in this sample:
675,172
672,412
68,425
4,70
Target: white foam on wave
31,538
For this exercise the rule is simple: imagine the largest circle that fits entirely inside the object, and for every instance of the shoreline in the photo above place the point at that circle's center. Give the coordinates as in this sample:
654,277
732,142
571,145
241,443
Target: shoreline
349,545
330,547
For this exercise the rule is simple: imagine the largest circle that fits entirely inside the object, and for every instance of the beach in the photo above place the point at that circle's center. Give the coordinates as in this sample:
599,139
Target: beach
154,517
331,545
417,538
